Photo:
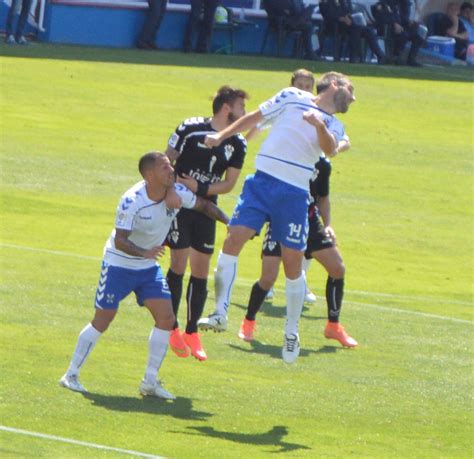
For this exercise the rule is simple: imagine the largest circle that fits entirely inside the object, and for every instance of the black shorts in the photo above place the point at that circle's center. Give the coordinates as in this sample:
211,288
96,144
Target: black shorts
317,240
192,229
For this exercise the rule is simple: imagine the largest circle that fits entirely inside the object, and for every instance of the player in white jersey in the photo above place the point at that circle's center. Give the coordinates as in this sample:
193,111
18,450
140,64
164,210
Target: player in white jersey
279,191
143,219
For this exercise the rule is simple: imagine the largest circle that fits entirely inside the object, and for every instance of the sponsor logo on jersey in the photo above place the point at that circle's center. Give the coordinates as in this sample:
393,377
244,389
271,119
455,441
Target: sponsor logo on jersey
121,218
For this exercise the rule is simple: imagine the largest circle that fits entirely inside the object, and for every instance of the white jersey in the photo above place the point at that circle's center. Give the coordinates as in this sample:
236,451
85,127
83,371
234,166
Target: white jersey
292,147
149,222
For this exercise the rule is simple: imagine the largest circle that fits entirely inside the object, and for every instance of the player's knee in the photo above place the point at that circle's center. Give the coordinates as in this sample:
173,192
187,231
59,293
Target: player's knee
338,271
166,321
266,283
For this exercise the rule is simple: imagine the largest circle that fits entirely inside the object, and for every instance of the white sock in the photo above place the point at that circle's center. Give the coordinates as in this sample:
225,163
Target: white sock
305,264
224,278
85,343
295,292
157,347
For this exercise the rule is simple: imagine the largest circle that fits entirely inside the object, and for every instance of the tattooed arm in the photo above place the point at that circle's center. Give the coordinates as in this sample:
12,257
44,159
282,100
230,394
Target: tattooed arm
209,209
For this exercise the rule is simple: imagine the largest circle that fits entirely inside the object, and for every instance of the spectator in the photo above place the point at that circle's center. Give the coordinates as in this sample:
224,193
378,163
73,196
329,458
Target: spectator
296,17
466,16
18,37
337,15
202,19
154,16
396,15
452,26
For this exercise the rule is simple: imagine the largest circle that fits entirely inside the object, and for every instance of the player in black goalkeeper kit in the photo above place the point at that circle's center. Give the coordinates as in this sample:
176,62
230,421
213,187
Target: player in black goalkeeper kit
208,172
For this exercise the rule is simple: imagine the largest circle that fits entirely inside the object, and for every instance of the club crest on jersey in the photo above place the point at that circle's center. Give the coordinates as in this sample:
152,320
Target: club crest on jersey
110,298
174,236
228,150
170,212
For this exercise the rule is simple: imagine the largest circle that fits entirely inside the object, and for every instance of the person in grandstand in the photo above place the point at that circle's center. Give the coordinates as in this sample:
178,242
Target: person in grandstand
142,222
279,190
321,246
153,19
208,172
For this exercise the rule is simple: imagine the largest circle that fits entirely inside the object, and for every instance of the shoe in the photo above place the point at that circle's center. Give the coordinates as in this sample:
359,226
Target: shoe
177,344
22,40
270,295
71,382
247,327
336,331
414,63
215,322
291,348
194,342
155,390
10,40
310,297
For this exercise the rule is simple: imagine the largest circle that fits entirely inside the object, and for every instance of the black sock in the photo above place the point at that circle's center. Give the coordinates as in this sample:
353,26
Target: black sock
257,296
175,283
196,296
334,294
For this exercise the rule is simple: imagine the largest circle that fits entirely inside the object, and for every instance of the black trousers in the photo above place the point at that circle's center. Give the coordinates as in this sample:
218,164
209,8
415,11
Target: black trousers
25,9
154,16
205,9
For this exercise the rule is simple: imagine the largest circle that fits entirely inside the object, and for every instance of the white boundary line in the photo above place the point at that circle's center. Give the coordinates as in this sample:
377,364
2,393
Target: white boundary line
248,282
77,442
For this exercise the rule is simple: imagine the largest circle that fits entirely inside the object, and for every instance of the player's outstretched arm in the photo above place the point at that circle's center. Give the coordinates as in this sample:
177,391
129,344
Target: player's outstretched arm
209,209
248,121
123,243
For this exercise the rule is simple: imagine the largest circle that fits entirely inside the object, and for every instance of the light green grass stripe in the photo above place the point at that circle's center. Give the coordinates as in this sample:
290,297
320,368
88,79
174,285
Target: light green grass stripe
76,442
248,283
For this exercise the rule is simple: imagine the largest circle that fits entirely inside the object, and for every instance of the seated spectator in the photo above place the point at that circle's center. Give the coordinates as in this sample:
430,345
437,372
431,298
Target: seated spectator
337,15
396,15
466,16
296,17
452,26
201,20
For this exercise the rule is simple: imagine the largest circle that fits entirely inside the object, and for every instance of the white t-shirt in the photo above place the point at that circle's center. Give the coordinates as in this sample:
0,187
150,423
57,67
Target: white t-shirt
149,222
291,149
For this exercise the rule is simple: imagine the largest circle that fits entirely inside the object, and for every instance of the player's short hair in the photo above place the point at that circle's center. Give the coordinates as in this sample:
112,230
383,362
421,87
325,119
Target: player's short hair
327,78
147,161
301,73
465,6
227,95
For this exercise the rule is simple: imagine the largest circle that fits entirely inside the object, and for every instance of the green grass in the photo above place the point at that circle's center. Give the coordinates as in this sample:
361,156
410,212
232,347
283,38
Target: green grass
74,122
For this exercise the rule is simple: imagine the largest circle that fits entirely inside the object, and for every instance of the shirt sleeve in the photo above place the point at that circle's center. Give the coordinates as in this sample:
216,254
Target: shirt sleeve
240,150
125,214
178,137
274,106
188,198
336,128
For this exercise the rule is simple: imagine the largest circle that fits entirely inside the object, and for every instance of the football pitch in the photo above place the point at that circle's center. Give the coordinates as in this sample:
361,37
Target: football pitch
74,122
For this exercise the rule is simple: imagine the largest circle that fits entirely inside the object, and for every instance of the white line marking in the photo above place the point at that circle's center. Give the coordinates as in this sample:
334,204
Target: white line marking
77,442
248,282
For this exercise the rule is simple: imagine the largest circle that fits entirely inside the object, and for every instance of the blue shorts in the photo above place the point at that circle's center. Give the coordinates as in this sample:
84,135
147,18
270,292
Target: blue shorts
265,198
116,283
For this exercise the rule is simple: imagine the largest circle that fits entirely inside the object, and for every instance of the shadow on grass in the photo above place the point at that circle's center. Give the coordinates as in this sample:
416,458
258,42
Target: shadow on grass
168,58
181,408
268,309
268,349
274,437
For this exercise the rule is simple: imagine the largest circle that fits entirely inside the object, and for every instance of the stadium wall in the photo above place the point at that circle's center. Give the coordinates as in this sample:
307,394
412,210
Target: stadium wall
92,24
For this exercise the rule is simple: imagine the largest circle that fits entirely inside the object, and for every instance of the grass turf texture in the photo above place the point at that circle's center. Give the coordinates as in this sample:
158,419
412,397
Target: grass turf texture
74,122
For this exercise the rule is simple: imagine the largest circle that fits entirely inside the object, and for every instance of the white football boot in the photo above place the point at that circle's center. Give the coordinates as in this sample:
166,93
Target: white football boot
291,348
214,321
155,390
71,382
